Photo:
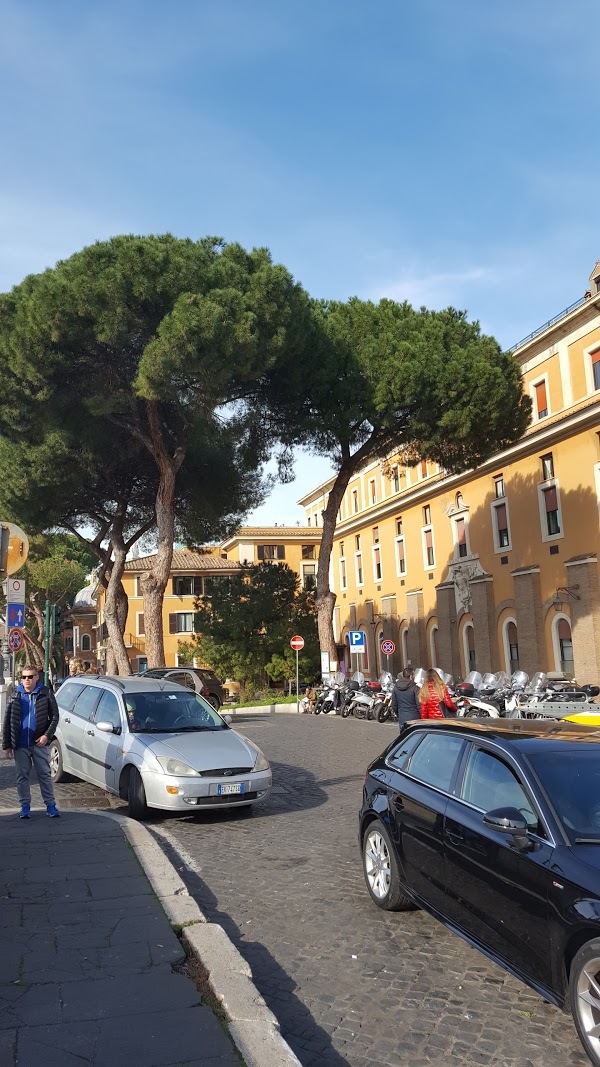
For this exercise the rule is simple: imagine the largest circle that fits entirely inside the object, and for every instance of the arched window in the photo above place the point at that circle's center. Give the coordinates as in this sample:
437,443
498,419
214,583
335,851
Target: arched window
510,642
433,647
469,647
562,641
86,643
404,646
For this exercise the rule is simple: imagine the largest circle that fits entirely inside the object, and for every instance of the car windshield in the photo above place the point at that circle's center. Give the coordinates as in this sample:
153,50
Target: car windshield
572,781
170,711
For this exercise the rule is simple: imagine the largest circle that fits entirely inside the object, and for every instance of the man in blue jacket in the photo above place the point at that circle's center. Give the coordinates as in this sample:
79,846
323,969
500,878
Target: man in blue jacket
29,725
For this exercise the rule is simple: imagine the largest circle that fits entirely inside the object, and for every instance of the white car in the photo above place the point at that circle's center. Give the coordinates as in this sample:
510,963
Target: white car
154,744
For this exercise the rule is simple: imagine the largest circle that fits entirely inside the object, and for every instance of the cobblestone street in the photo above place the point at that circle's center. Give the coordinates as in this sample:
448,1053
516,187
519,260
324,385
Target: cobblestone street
348,983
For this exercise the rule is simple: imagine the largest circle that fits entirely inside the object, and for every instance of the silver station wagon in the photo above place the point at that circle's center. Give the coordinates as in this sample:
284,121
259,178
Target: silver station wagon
154,744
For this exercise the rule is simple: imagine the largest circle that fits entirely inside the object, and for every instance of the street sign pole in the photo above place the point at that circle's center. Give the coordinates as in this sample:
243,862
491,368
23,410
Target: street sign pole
297,685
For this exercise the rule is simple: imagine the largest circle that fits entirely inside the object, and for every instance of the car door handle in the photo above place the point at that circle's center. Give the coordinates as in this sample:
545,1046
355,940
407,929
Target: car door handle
91,733
456,837
66,719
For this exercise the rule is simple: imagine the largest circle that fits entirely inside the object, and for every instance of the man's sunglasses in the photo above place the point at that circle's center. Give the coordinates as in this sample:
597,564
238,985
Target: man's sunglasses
28,677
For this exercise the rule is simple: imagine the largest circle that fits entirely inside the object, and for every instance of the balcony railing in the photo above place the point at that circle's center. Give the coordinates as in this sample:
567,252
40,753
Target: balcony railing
540,329
133,641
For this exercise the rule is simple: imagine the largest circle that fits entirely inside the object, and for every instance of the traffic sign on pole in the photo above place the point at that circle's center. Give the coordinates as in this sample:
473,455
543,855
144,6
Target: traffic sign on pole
388,648
15,590
297,643
357,642
15,640
15,616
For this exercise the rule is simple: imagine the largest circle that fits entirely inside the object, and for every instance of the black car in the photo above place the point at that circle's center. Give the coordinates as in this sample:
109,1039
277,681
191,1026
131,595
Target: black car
200,679
494,828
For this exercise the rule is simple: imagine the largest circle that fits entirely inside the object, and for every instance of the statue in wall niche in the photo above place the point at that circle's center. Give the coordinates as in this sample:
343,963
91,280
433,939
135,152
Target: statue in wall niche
463,592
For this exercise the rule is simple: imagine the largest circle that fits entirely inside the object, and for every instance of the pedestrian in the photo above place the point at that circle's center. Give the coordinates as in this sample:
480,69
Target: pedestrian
434,697
405,702
30,722
73,668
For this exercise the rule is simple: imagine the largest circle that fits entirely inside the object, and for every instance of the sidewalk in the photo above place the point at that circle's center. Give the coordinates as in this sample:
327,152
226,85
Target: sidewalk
87,955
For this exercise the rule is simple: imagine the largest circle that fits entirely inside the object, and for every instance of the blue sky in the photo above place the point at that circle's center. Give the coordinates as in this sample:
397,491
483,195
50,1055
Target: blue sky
442,153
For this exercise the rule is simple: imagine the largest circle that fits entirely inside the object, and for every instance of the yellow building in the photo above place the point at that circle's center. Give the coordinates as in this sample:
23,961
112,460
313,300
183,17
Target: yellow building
192,573
496,568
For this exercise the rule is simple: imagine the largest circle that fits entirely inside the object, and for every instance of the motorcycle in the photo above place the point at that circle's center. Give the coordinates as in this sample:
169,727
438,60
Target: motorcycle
382,707
362,698
332,697
472,697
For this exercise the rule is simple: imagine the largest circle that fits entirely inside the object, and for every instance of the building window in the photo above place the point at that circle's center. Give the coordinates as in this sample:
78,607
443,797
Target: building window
426,515
372,491
181,622
499,486
357,542
551,510
343,578
309,573
316,517
86,643
399,527
595,357
140,624
187,586
400,557
341,548
376,535
355,500
461,538
309,521
358,568
428,549
376,563
565,642
541,399
512,641
267,552
308,552
501,520
68,644
547,467
396,474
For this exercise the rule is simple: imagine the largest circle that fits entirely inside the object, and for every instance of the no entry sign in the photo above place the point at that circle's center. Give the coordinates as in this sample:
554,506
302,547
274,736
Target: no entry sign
297,643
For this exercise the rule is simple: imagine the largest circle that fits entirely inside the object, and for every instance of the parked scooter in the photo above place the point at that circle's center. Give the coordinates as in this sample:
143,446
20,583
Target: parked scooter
332,697
382,707
469,700
363,698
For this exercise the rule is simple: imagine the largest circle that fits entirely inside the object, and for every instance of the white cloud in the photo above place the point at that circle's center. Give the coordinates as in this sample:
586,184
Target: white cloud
437,288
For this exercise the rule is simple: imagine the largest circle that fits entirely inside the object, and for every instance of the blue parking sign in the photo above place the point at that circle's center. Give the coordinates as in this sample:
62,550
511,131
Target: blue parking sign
357,641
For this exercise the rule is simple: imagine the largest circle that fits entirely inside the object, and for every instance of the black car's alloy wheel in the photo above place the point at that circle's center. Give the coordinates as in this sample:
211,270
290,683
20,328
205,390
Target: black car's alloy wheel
584,997
381,870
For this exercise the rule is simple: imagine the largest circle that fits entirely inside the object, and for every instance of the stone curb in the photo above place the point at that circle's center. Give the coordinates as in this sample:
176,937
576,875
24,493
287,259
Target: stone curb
259,709
252,1026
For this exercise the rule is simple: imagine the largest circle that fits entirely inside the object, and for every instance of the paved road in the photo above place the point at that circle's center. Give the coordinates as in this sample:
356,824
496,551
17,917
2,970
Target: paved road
349,984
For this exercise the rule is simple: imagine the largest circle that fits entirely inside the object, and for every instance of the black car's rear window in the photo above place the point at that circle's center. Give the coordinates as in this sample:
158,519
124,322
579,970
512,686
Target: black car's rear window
571,779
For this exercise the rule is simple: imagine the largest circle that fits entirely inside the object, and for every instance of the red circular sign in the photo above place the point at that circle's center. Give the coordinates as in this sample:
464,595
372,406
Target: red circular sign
388,648
297,643
15,640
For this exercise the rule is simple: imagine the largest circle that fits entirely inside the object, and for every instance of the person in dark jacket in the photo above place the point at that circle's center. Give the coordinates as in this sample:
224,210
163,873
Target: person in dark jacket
405,702
29,725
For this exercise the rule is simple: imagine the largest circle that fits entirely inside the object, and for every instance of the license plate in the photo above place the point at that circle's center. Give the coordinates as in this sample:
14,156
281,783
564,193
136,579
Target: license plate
231,787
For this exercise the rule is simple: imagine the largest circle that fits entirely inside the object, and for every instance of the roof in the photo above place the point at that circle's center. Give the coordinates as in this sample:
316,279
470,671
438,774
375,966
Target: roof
134,684
520,731
186,560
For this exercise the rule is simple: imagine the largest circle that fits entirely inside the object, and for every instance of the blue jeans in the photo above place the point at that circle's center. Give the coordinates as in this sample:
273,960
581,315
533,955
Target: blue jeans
37,756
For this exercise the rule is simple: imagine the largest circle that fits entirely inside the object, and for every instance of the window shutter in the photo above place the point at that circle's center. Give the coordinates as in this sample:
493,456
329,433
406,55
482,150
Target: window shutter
280,551
461,533
173,622
540,393
261,552
564,630
198,590
428,539
551,499
501,517
595,357
400,550
174,585
141,629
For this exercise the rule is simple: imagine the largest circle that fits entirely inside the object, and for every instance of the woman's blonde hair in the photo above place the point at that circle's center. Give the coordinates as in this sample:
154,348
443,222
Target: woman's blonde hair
432,681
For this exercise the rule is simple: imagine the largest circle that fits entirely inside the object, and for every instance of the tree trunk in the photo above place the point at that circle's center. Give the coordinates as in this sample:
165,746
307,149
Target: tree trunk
113,608
155,581
325,598
34,649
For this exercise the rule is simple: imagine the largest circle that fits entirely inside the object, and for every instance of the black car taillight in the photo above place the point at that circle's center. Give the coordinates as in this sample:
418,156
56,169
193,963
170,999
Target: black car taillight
206,691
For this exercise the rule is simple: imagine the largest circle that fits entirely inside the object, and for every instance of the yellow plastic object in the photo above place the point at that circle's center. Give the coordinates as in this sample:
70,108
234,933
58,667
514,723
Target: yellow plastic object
584,719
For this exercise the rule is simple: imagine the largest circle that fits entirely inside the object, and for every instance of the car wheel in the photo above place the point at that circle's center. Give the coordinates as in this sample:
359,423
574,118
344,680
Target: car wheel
214,702
57,772
136,795
381,870
584,997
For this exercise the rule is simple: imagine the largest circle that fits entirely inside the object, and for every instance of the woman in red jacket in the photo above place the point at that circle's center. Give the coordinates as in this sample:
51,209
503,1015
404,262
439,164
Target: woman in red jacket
433,694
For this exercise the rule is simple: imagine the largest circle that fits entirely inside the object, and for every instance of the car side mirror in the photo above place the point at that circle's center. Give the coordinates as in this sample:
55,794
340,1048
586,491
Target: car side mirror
107,728
227,719
507,821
